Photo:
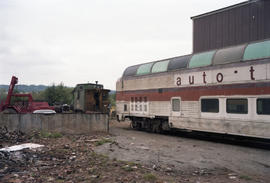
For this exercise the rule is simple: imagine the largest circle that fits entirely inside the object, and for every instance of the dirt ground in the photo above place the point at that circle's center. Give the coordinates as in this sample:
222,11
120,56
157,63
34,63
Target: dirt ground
201,161
126,155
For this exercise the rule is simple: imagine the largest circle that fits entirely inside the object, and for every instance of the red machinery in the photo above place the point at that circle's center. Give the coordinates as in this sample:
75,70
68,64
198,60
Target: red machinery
28,106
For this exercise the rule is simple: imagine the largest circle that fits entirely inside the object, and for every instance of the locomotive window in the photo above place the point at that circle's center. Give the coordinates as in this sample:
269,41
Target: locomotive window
210,105
237,106
125,107
176,105
263,106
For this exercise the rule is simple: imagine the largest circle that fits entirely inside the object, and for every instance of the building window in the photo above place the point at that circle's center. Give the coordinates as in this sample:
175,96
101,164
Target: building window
145,108
132,107
210,105
263,106
132,99
125,107
176,105
237,106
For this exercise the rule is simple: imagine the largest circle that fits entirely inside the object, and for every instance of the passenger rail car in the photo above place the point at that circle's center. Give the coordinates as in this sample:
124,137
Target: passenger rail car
221,91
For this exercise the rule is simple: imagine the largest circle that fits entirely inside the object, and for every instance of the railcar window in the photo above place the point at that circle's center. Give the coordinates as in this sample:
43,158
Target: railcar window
176,105
237,106
229,55
144,69
145,99
160,66
263,106
210,105
178,62
201,59
257,50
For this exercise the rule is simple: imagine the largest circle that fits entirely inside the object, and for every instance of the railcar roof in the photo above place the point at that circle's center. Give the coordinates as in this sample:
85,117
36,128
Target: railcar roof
238,53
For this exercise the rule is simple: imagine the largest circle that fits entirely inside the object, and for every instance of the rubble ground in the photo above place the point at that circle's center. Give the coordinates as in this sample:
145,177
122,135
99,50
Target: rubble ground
68,158
91,158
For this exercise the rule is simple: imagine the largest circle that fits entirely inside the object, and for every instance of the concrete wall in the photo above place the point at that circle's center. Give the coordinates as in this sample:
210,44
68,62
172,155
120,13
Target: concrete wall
63,123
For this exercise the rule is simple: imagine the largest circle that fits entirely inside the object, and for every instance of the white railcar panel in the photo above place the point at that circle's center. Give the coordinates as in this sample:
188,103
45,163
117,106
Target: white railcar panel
236,127
190,109
159,108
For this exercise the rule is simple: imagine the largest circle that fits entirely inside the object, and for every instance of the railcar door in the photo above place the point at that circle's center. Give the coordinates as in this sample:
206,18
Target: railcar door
175,106
145,106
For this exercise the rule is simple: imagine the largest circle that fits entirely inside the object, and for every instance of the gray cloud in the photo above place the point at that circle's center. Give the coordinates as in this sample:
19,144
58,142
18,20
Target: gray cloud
79,41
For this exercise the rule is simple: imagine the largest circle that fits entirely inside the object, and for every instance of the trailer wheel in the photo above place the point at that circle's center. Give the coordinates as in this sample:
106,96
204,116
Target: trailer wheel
9,111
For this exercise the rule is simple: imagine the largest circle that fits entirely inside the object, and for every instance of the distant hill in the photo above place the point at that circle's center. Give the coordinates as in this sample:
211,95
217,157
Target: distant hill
26,88
112,92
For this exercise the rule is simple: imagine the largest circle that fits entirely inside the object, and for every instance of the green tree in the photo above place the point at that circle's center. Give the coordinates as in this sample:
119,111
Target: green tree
112,99
38,96
3,94
58,94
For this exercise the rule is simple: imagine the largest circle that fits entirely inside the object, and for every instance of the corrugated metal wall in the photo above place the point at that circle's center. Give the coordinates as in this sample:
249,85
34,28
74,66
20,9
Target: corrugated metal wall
233,26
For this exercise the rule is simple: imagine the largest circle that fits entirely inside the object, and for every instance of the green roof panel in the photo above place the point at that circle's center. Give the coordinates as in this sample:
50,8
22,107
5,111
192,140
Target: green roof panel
257,50
160,66
144,69
201,59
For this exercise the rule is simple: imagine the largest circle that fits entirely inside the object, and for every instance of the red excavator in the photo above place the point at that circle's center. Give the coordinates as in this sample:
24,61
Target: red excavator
23,106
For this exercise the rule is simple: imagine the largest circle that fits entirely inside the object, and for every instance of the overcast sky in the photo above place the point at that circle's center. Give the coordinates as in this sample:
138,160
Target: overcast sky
79,41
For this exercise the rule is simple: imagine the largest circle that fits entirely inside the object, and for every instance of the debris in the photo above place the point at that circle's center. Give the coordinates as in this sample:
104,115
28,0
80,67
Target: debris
143,147
92,140
21,147
232,177
11,136
72,158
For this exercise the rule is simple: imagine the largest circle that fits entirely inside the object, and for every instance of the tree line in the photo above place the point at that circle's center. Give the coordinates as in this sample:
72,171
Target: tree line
53,94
